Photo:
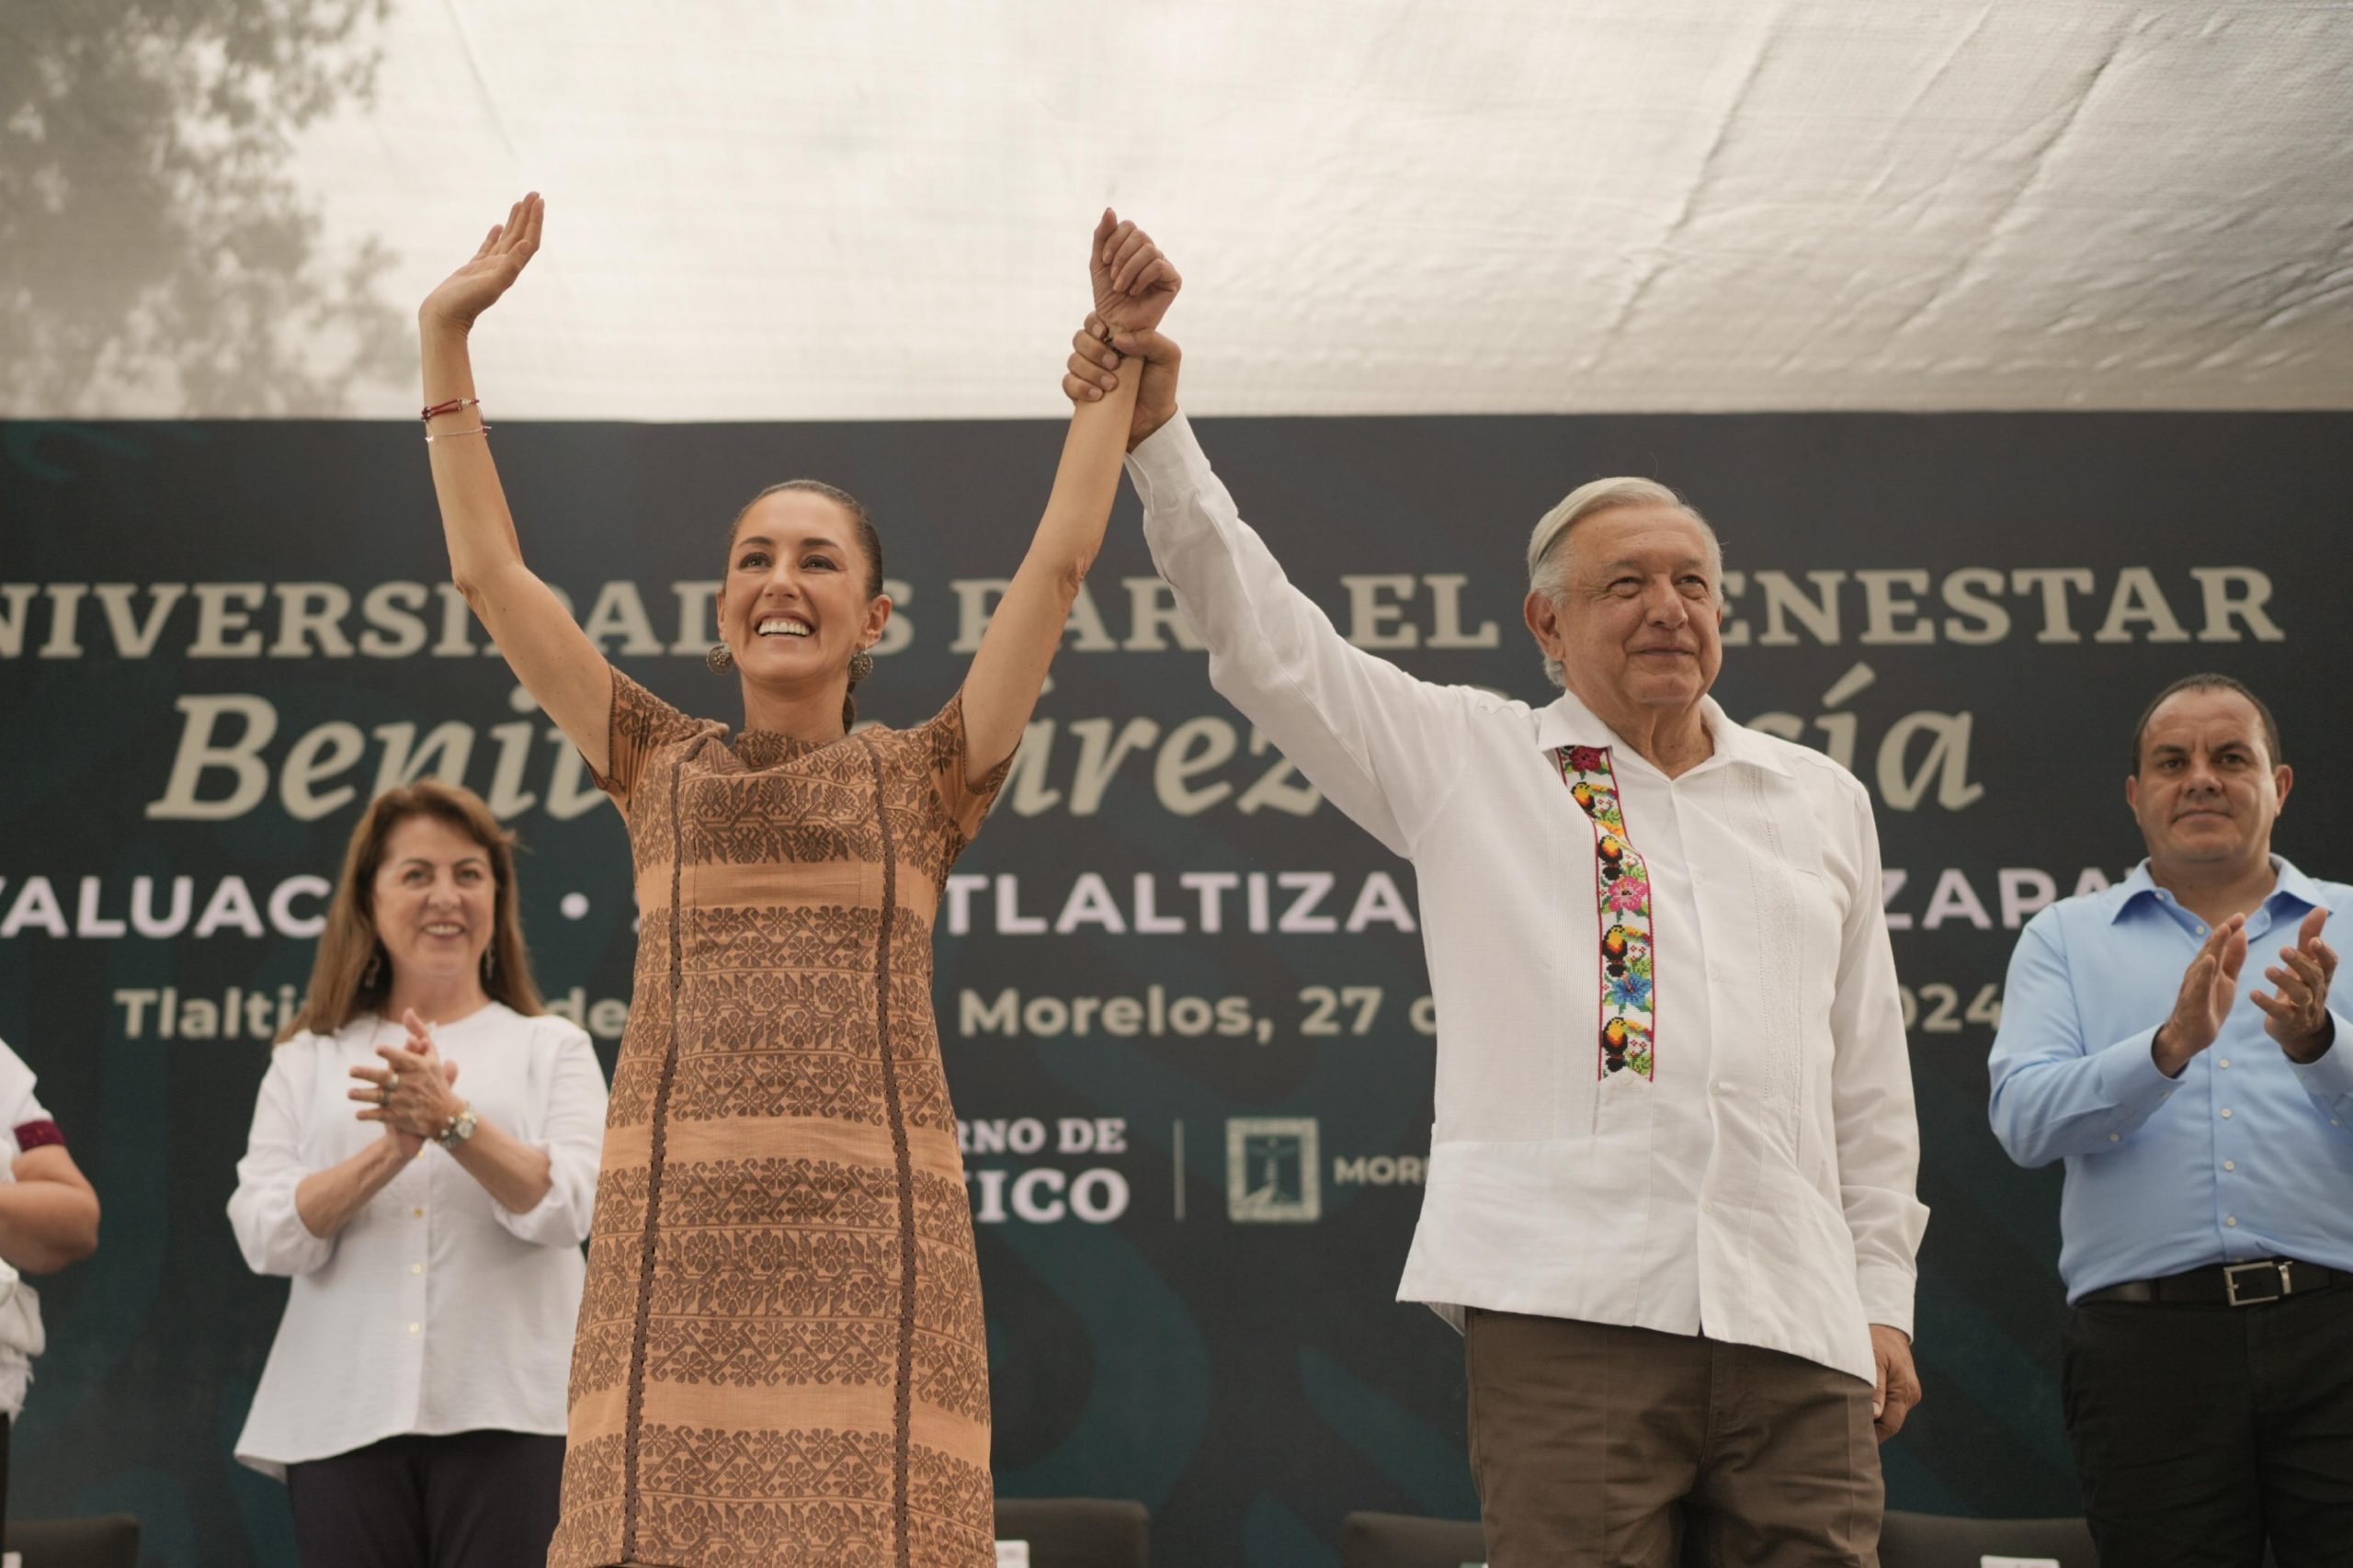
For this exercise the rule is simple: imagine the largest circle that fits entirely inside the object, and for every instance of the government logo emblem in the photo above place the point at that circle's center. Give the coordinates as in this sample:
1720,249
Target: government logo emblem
1271,1170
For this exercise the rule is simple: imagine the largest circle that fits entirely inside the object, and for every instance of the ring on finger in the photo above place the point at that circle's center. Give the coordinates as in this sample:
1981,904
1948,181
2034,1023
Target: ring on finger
391,1080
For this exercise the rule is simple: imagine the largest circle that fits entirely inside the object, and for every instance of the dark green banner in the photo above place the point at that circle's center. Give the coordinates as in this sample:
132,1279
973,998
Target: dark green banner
1182,999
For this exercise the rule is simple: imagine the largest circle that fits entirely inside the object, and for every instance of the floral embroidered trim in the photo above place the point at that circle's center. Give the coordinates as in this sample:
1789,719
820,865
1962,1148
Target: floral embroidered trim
1622,886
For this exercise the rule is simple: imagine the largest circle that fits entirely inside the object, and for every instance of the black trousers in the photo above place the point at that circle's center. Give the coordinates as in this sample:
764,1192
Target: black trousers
2204,1433
468,1500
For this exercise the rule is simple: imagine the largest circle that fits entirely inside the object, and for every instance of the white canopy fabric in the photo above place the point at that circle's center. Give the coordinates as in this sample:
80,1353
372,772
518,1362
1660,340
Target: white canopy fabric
795,211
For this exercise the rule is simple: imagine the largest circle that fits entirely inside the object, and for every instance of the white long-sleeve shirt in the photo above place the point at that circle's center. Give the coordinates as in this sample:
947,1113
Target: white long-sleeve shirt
435,1310
1760,1188
22,1119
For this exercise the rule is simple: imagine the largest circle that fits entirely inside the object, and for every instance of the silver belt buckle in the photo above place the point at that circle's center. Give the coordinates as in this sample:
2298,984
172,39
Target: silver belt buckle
2231,1273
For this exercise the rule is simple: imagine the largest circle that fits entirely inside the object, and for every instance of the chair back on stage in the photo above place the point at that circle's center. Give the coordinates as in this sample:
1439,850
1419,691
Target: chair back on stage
1074,1533
109,1541
1403,1540
1929,1540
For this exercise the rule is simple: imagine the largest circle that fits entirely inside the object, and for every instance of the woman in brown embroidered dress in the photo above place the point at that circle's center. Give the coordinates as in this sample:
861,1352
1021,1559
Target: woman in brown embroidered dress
781,1356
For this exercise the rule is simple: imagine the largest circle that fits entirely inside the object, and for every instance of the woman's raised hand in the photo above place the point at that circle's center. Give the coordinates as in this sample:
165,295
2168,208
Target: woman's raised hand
476,286
1133,282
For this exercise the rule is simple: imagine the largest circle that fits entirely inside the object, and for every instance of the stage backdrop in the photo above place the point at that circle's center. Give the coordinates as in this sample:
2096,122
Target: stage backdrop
1183,999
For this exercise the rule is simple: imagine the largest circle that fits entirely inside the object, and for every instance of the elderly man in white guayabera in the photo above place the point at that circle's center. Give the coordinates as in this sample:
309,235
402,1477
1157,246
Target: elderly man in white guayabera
1671,1184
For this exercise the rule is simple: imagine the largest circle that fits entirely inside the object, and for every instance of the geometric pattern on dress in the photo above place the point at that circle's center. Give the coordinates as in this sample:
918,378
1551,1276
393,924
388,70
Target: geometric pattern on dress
778,1275
1627,1031
815,1476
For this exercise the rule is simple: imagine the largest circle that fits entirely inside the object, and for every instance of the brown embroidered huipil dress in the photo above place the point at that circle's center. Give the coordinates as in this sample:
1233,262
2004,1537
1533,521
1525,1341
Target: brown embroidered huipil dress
781,1358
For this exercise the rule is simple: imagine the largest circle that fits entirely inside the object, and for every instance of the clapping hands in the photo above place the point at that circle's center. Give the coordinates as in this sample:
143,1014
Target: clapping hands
2296,1011
411,1094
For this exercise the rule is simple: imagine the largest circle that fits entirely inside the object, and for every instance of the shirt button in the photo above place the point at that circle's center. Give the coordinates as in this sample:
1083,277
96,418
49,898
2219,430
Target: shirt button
2226,1113
2230,1164
1707,1209
416,1268
1716,1087
2226,1062
419,1328
2201,930
2116,1137
2232,1220
418,1212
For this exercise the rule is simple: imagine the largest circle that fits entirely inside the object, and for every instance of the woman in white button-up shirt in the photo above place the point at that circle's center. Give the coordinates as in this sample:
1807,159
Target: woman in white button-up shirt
414,1400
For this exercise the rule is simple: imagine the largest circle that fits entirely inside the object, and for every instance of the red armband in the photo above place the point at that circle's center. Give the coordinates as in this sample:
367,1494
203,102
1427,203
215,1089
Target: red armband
33,1135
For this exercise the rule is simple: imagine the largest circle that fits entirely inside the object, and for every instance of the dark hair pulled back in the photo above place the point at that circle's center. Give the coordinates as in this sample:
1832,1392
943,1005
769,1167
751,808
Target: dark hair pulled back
869,544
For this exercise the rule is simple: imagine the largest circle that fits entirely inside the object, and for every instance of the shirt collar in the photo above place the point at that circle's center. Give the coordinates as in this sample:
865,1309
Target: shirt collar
1569,723
2290,881
2295,884
2130,891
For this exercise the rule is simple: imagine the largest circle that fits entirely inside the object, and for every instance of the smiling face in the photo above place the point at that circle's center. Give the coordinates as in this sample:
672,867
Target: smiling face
2208,789
434,899
1637,623
800,597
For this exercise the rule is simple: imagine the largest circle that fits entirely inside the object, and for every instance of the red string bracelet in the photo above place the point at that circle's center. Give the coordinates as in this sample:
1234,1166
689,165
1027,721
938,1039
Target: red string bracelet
451,406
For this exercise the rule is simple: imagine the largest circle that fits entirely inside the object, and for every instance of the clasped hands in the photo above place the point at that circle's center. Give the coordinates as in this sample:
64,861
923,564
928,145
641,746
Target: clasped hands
414,1093
1134,285
2295,1011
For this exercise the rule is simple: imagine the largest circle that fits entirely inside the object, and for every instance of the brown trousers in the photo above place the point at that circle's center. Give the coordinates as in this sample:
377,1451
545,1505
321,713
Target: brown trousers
1603,1447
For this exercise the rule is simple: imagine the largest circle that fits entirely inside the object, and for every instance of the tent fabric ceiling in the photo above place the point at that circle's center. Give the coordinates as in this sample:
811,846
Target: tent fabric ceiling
816,211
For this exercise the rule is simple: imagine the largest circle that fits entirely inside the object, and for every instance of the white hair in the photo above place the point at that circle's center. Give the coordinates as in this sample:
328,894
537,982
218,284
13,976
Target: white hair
1548,550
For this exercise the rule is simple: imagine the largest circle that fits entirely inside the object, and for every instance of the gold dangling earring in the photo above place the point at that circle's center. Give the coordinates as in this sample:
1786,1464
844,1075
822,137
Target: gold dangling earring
720,658
861,665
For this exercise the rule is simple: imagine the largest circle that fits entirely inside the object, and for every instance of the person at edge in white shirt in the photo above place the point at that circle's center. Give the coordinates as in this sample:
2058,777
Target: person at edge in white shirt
1675,1142
423,1164
49,1217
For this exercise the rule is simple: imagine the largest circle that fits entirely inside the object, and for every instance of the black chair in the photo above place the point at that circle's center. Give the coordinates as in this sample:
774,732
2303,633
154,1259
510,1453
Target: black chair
1928,1540
109,1540
1403,1540
1071,1532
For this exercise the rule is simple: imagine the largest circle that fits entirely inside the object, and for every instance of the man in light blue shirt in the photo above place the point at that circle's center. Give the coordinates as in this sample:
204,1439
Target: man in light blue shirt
2207,1226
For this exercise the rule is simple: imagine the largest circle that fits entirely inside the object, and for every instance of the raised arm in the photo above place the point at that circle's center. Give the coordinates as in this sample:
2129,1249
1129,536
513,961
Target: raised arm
555,662
1133,285
1382,745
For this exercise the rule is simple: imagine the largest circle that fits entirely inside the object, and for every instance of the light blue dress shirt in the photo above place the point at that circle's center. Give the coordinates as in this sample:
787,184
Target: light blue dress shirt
2245,1155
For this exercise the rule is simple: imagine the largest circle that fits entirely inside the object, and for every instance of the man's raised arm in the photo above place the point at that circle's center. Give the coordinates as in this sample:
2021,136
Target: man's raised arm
1382,745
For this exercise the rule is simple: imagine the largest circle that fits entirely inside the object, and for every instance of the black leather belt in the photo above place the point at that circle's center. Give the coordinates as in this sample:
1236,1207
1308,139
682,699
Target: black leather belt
2228,1284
